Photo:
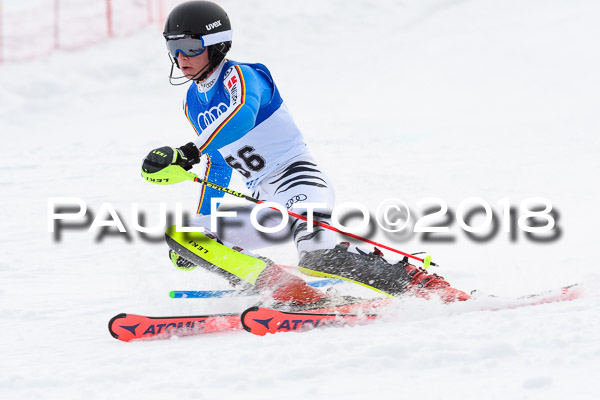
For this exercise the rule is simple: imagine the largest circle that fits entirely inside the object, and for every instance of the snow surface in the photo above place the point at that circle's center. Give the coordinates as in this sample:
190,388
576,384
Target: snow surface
409,99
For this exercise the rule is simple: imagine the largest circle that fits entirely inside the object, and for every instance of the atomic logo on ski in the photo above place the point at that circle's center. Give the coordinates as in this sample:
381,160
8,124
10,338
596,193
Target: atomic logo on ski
130,328
264,322
283,321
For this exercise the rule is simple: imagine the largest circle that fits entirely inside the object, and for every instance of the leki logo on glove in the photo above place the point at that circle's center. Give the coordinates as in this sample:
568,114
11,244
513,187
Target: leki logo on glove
159,153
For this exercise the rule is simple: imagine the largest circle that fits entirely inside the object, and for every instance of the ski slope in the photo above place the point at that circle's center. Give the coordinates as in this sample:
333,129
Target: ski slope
409,100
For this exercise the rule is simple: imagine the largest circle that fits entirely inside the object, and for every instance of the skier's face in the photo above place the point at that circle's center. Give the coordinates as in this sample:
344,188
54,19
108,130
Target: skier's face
191,66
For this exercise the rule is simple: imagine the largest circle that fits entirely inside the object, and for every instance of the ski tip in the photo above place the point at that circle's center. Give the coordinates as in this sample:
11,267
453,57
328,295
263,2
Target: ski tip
172,294
572,292
112,321
243,318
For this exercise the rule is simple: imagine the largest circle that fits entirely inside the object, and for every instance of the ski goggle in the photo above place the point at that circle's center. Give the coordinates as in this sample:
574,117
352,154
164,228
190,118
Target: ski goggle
194,45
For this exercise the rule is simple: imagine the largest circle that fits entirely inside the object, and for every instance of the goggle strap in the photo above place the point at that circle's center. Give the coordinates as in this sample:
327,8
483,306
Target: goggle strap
217,37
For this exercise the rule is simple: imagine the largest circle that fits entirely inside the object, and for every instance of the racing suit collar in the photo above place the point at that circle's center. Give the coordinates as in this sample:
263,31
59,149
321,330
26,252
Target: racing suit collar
209,83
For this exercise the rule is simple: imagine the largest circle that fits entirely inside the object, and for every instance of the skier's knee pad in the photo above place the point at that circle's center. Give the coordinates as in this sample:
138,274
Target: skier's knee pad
370,270
203,251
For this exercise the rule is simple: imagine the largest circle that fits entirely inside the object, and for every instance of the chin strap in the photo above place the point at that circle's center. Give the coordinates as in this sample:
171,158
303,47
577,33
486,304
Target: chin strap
201,75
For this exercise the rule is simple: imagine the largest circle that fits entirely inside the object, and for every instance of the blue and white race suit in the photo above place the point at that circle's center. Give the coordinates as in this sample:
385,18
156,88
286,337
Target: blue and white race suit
242,124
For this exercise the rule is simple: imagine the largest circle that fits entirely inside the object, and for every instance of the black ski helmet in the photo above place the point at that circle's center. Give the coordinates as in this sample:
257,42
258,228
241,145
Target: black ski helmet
203,19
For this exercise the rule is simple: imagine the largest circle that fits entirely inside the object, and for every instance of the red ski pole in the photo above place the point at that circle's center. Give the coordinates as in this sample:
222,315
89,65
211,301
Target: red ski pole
426,261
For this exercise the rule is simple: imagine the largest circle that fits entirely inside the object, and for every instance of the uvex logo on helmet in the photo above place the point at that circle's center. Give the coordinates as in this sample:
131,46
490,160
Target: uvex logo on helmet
213,25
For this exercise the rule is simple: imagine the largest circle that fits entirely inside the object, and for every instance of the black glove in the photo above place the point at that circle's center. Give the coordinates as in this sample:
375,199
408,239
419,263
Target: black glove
185,156
189,155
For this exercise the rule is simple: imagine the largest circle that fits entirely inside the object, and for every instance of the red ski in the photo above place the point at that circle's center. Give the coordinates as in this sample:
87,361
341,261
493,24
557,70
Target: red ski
128,327
261,321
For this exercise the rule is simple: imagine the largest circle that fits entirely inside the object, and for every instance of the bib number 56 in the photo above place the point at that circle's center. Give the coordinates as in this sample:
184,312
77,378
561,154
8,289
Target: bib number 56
252,162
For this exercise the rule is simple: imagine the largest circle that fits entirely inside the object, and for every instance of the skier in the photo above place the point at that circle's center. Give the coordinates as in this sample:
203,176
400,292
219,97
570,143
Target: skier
242,124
